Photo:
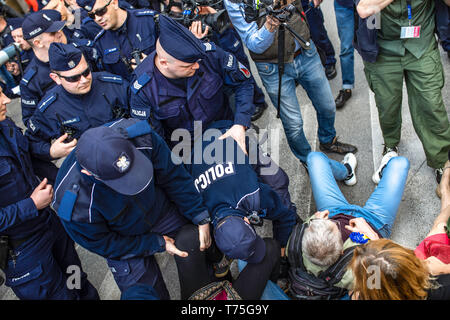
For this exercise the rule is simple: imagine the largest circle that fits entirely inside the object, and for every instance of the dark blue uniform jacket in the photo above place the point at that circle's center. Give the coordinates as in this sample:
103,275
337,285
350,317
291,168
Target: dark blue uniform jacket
114,47
230,186
169,107
78,112
19,217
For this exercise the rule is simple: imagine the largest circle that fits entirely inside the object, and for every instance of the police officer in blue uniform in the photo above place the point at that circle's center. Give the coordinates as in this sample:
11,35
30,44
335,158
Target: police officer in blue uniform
120,195
35,249
82,99
5,37
26,55
17,64
40,31
78,24
183,81
128,36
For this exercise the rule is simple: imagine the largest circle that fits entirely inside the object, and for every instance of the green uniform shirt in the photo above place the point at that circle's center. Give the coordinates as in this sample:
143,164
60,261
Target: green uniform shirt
395,16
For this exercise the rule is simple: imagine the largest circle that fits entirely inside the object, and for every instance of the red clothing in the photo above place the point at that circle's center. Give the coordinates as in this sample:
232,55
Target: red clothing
437,245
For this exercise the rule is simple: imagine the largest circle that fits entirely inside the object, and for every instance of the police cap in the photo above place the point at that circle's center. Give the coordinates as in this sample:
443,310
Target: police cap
179,42
63,57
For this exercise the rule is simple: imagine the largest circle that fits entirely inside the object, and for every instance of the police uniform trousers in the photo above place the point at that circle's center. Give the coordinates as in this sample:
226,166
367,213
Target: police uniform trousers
38,269
424,79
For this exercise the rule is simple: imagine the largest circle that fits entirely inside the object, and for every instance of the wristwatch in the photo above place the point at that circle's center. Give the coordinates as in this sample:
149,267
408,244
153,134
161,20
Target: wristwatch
204,221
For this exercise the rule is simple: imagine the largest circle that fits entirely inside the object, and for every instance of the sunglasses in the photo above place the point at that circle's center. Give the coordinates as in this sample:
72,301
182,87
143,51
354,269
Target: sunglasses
76,77
99,12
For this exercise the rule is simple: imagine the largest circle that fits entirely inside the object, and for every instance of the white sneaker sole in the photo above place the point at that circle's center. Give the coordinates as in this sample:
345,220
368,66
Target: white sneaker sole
376,177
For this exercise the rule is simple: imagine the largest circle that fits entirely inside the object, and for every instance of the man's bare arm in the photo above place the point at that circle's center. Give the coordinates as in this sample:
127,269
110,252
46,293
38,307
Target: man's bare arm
366,8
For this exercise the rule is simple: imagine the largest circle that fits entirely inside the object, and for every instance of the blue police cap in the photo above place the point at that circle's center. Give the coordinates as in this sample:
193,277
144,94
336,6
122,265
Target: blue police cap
238,240
39,22
114,160
179,42
63,57
55,15
15,23
86,4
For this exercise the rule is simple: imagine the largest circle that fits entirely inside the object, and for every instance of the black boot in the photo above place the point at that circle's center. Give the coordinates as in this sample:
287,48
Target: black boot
342,97
330,71
259,110
337,147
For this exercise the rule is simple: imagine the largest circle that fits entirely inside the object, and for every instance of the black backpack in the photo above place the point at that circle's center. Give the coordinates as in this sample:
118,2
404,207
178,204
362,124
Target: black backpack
304,285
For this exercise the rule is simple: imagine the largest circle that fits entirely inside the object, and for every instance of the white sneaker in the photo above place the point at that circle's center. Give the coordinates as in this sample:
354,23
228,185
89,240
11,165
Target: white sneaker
384,161
352,162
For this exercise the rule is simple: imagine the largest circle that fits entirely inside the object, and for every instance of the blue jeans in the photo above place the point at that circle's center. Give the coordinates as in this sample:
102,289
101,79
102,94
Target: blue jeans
380,209
308,71
346,25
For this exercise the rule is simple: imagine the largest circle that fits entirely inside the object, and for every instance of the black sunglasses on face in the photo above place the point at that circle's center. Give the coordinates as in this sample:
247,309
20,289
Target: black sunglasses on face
99,12
76,77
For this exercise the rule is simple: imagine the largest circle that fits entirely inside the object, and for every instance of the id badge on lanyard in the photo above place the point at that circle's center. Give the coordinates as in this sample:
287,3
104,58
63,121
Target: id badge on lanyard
410,32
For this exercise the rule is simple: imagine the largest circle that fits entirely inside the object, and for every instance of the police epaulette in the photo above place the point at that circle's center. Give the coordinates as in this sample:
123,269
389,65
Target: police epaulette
99,35
140,82
138,129
43,105
209,46
28,75
112,78
144,12
82,42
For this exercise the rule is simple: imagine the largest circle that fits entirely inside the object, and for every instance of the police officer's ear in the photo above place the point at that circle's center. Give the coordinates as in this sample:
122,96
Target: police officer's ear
55,78
115,3
86,172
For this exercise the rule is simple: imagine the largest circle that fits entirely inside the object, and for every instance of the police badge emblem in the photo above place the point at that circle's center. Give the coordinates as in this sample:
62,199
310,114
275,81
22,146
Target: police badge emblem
71,64
122,163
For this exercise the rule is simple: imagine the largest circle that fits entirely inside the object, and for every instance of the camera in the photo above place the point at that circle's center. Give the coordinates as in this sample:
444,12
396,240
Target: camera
190,12
282,14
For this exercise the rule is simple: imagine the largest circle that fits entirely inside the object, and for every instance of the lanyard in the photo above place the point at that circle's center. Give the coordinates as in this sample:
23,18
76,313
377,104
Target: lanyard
408,5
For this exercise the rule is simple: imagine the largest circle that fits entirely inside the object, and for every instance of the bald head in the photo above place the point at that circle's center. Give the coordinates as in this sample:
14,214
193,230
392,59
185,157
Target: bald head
162,54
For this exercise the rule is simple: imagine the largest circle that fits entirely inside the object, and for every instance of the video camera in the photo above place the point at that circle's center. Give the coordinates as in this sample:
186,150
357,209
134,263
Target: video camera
282,14
190,12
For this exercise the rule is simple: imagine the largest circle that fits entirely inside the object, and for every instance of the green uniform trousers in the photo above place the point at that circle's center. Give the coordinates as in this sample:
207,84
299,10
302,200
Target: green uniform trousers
424,79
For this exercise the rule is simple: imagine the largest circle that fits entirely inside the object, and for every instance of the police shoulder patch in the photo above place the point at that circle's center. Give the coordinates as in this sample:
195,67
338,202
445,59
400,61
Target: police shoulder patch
111,78
244,70
140,82
28,76
209,46
46,102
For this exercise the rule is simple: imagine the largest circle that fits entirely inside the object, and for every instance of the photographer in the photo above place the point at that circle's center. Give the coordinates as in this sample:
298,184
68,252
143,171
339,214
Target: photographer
405,48
301,64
